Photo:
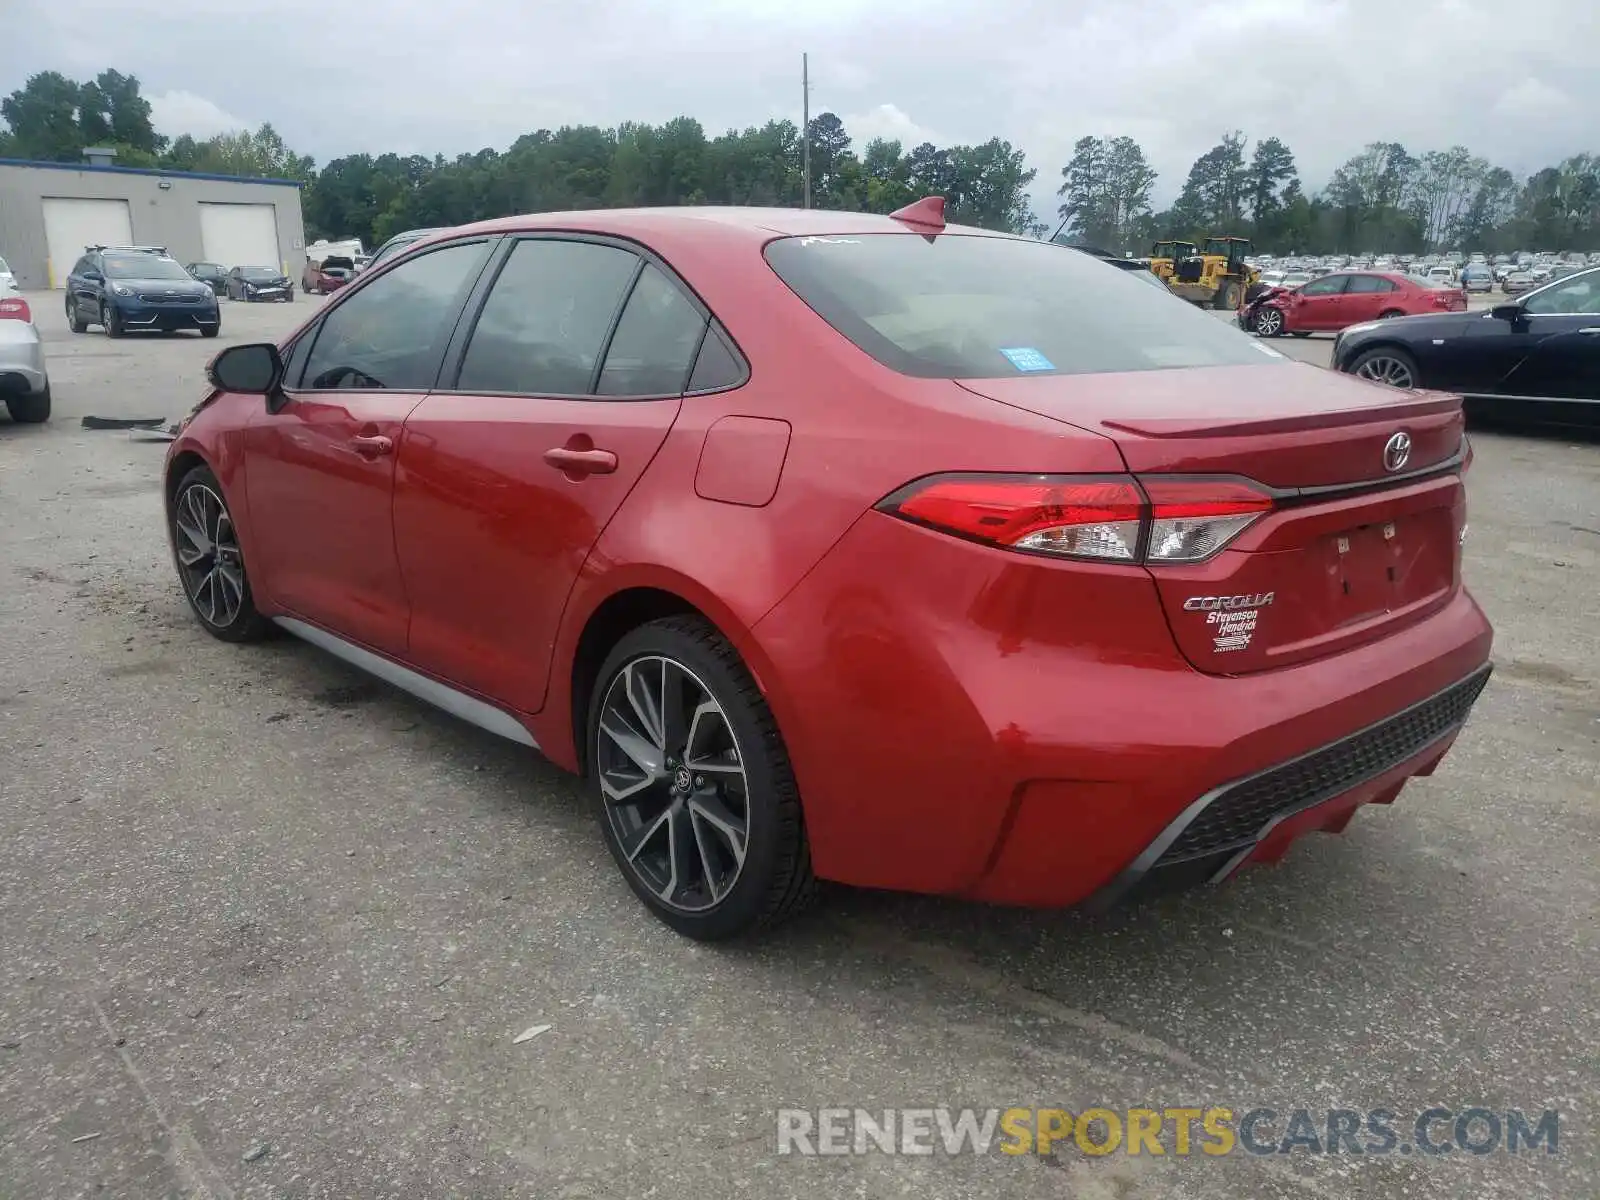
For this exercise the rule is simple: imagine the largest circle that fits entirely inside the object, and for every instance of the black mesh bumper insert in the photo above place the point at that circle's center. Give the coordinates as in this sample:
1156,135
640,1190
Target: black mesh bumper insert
1238,814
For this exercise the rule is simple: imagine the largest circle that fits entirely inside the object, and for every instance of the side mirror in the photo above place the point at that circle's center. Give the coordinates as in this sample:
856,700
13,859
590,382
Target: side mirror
254,369
1507,312
94,277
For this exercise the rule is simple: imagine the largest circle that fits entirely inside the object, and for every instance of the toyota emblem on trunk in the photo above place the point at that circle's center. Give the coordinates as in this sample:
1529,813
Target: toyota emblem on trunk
1397,451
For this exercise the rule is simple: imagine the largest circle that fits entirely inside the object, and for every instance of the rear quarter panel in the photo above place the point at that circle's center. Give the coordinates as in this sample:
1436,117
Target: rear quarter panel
859,431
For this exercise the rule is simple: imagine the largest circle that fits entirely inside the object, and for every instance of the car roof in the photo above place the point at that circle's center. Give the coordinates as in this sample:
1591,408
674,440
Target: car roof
754,224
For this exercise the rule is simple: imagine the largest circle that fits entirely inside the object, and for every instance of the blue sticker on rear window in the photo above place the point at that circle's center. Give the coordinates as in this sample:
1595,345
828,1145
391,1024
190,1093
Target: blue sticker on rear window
1026,358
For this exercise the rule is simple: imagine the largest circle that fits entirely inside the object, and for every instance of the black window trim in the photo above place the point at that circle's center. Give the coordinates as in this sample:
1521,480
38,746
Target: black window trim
455,352
349,291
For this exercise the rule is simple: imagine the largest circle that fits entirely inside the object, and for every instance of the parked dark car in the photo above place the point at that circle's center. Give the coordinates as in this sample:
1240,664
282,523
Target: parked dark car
125,289
259,283
213,275
1535,360
329,275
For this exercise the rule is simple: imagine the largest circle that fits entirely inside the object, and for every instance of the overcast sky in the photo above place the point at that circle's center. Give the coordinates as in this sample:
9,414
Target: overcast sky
1515,80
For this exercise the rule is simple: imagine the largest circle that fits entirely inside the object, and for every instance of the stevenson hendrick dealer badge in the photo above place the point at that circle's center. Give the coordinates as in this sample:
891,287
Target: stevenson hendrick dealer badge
1234,617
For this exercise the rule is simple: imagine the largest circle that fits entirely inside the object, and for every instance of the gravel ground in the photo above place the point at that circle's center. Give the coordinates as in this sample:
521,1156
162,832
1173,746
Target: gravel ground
270,929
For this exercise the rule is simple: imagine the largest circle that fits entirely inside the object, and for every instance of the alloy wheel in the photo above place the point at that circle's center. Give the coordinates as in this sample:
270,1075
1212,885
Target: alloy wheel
1268,322
208,555
1382,368
674,784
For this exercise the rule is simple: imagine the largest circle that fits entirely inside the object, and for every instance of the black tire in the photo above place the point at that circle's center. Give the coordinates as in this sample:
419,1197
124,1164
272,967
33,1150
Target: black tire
75,321
1390,314
110,320
1228,296
1299,333
774,880
211,330
243,624
1269,322
30,408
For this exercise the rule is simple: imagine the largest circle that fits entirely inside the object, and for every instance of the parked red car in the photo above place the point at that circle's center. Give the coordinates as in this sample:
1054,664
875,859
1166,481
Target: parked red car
329,275
1348,298
853,547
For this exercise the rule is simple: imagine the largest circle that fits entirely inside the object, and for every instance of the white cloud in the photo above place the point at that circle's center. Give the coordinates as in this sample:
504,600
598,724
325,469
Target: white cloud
1530,98
177,112
1515,84
890,123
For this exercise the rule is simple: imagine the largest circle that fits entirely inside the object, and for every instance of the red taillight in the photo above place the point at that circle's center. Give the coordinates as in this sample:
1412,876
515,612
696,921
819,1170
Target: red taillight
1082,517
1109,519
15,309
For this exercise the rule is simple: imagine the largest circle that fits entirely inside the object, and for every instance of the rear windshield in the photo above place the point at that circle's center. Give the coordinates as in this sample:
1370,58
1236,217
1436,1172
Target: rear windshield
260,273
1433,282
971,307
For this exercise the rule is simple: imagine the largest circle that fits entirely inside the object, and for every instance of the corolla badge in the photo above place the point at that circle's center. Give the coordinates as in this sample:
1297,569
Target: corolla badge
1228,603
1397,451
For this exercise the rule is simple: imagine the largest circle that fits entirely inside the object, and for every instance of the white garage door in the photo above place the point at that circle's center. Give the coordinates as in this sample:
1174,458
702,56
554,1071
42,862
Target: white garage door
70,225
240,235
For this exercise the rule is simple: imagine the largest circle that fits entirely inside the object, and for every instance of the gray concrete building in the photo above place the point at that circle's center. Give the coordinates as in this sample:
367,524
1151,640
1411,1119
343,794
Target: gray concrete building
50,211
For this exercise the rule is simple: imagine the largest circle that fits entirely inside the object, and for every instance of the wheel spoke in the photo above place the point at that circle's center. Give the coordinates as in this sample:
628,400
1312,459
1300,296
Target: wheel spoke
682,854
648,834
232,588
710,866
641,750
191,554
709,811
674,727
646,707
621,795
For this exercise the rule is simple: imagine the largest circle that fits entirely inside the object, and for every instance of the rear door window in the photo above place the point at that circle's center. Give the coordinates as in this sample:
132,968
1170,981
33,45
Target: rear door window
1368,284
655,342
967,306
544,325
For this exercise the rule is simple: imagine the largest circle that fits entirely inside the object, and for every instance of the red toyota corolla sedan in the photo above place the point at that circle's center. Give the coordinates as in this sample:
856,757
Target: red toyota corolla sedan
849,547
1348,298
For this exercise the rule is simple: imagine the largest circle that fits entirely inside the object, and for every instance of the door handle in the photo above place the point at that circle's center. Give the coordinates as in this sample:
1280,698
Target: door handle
1590,331
372,445
581,462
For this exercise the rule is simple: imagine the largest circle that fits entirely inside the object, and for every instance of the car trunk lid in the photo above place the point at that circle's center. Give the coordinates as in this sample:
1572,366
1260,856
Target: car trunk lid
1354,546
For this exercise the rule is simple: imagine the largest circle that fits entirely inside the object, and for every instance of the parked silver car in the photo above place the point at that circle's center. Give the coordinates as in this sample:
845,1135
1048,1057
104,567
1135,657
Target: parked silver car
24,382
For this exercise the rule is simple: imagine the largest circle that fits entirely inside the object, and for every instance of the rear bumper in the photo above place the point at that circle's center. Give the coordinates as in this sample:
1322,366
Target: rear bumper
1024,732
22,367
1255,818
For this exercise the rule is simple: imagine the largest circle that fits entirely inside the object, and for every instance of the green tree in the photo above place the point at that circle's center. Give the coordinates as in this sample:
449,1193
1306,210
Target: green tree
43,118
1083,186
1272,169
991,188
830,145
1214,194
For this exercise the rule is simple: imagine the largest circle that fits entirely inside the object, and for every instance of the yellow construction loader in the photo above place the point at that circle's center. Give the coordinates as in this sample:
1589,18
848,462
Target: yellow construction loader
1216,277
1165,255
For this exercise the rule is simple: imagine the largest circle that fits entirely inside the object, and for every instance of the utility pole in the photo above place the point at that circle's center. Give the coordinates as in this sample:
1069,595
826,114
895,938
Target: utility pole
805,126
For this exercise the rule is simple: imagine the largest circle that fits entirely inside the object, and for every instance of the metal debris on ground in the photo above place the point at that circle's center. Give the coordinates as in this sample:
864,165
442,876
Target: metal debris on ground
88,1137
93,422
527,1035
257,1152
